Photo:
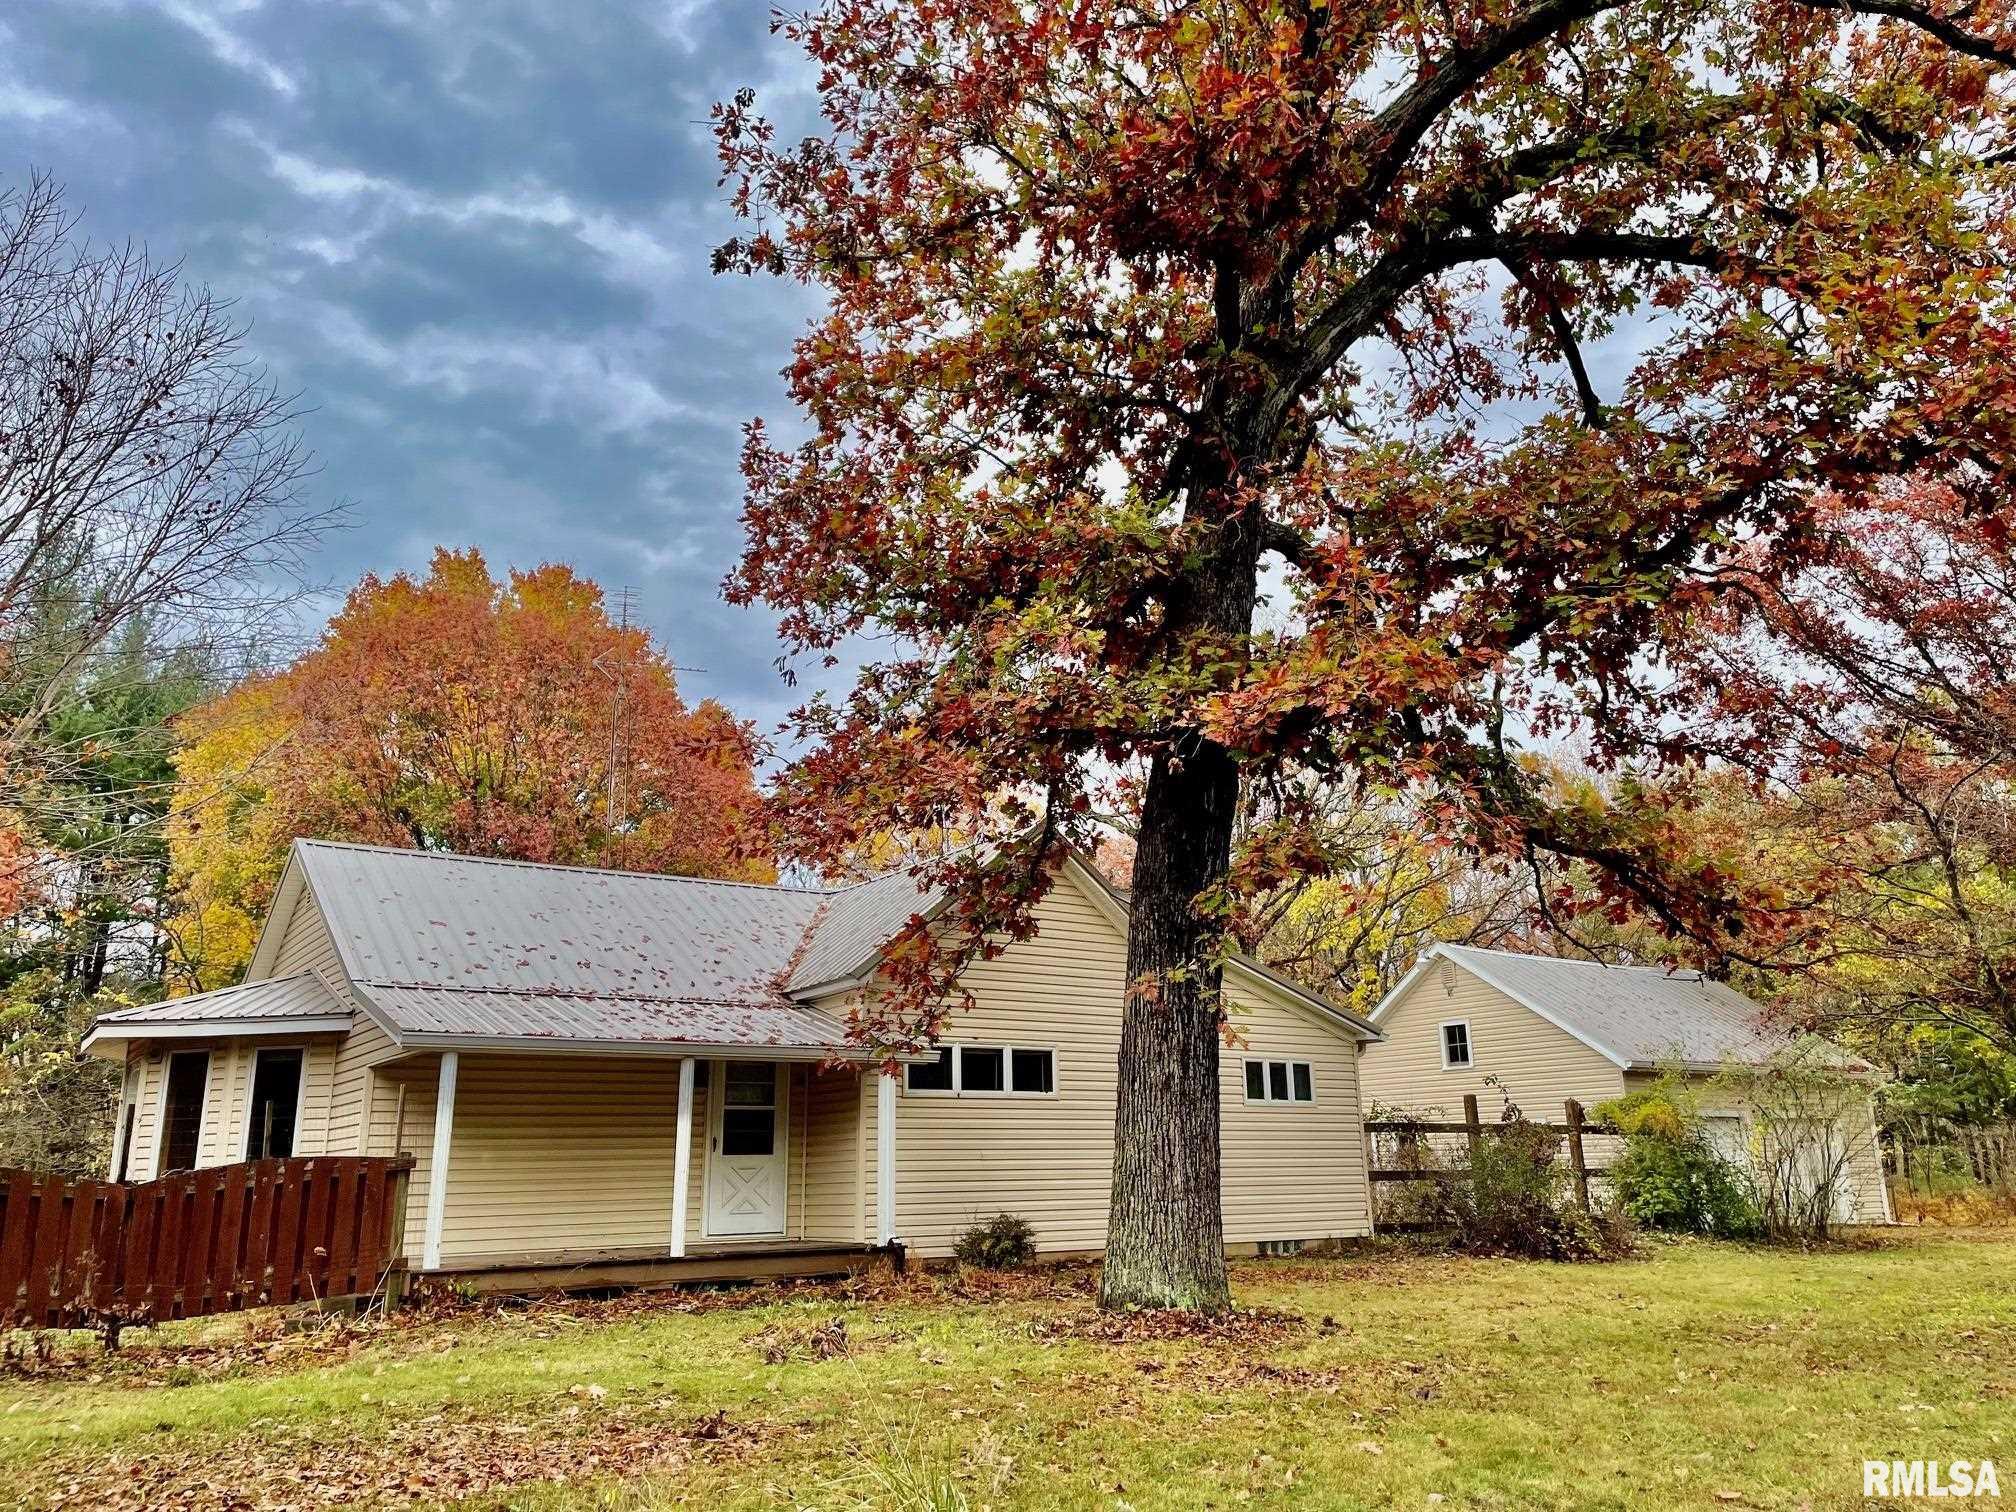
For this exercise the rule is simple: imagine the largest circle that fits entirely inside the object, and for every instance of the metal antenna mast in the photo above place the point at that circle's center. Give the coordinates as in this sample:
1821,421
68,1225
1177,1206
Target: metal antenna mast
619,677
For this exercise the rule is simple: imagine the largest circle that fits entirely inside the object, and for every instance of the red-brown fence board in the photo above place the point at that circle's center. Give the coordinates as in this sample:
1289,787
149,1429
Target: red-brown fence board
77,1254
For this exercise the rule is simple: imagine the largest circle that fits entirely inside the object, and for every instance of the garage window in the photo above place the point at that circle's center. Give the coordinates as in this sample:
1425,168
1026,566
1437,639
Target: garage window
1455,1045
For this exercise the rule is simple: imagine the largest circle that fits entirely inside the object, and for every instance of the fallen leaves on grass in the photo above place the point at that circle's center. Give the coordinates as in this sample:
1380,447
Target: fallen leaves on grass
272,1340
782,1343
445,1456
1255,1325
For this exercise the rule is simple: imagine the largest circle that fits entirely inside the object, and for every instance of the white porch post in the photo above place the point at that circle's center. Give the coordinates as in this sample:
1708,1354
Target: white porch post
437,1171
885,1158
682,1157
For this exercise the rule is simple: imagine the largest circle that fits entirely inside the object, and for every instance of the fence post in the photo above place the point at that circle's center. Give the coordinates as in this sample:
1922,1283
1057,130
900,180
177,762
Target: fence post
1371,1186
1581,1166
395,1238
1475,1134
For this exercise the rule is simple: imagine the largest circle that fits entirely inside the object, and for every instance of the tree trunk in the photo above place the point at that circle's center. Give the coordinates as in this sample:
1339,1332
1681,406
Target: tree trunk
1165,1242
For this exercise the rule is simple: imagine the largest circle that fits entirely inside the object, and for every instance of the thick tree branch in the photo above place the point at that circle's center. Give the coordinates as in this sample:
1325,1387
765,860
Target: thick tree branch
1564,339
1362,308
1401,126
1926,19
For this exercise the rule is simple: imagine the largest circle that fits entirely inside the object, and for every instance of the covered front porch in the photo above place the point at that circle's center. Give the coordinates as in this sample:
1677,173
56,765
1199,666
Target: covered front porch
584,1169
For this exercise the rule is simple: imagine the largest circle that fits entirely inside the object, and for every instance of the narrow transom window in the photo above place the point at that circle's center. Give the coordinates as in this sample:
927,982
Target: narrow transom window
985,1071
1456,1044
1280,1081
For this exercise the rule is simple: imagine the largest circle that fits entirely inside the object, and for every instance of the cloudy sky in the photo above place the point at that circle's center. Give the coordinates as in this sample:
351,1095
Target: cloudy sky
474,235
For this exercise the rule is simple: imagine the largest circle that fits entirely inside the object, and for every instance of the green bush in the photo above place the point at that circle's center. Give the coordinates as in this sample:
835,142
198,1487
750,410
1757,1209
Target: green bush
1513,1198
1670,1178
1001,1243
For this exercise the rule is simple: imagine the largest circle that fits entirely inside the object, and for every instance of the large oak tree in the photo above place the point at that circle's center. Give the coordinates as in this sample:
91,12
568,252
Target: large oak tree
1473,338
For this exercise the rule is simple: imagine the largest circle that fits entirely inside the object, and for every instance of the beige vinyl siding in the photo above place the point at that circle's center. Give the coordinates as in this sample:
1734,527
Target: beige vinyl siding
556,1154
830,1173
1538,1065
557,1157
146,1151
1292,1170
307,945
1290,1173
346,1115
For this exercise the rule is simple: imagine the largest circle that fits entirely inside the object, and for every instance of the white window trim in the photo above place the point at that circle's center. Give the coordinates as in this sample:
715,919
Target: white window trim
300,1098
126,1128
1469,1045
1271,1101
958,1087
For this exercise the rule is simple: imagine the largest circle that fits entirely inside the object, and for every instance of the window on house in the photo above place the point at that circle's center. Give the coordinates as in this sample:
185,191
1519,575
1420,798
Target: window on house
1033,1071
1455,1044
182,1109
749,1112
981,1068
986,1071
125,1161
1280,1081
276,1104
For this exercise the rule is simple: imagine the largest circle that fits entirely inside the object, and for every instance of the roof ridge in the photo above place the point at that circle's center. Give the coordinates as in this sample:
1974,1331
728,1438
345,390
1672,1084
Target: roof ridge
1671,972
563,866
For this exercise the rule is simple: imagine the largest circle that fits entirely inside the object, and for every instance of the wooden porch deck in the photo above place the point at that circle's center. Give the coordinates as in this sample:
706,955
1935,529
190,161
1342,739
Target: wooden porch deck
588,1270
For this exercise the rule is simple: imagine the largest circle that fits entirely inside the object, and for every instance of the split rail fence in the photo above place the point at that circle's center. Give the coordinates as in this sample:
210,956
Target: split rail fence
107,1254
1575,1130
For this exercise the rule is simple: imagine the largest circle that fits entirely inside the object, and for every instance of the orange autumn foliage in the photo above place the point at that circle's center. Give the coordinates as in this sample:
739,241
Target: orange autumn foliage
456,713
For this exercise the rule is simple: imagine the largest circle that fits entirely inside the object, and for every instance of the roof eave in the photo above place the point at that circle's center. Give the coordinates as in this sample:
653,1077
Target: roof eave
286,898
663,1049
123,1033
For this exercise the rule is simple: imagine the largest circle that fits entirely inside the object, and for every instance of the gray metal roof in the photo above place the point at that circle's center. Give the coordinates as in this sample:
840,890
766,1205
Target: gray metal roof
462,945
301,996
425,919
855,924
1640,1016
443,946
574,1018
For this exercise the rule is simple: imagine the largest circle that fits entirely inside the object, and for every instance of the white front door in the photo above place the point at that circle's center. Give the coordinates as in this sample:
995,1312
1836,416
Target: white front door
746,1166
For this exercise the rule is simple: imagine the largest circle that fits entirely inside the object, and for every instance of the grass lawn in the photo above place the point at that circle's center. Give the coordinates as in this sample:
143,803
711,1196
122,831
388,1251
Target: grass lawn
1700,1375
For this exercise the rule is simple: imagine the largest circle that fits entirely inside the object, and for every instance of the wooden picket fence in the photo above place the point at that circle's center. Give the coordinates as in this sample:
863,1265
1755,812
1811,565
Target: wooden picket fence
107,1254
1574,1128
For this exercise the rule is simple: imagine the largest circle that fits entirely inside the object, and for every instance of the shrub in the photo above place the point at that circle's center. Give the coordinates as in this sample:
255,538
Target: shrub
1809,1130
1001,1243
1670,1177
1512,1197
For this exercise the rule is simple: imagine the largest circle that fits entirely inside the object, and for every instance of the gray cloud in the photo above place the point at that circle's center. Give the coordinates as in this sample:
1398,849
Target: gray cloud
474,235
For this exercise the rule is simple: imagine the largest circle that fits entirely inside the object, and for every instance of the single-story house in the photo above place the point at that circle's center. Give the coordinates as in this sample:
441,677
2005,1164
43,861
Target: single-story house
1540,1030
642,1077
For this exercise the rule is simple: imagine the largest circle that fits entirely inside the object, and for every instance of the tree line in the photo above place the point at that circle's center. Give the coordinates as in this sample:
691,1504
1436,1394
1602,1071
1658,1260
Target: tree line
160,747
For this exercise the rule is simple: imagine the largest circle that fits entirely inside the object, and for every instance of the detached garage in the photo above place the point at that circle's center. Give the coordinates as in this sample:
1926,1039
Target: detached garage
1538,1030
